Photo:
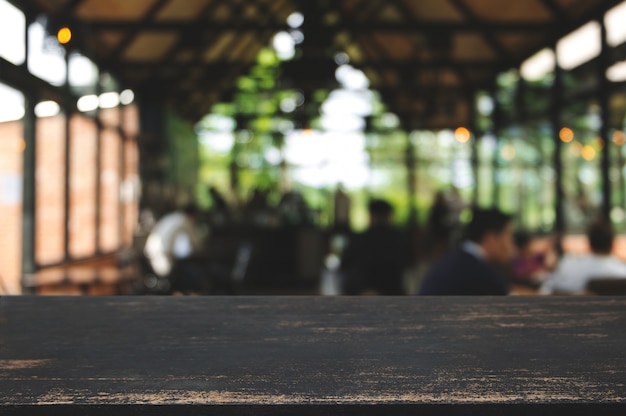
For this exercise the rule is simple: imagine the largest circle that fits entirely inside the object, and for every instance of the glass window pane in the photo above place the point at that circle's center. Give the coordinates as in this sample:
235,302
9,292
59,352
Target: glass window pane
46,58
11,104
12,25
83,74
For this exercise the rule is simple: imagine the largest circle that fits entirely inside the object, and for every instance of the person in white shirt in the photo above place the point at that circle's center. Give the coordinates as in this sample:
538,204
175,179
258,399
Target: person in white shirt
173,237
574,272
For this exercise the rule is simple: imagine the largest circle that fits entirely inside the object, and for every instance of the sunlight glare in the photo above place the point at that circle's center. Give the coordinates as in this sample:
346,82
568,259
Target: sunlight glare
579,46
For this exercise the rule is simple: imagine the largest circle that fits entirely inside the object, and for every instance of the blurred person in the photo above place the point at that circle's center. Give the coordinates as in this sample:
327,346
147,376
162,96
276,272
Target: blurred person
574,272
456,206
474,268
341,209
439,225
530,266
257,210
293,209
173,247
374,261
220,211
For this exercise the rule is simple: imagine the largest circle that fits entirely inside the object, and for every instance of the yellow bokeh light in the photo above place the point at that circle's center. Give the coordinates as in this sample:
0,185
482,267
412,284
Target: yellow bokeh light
619,138
462,135
588,152
64,35
508,152
566,134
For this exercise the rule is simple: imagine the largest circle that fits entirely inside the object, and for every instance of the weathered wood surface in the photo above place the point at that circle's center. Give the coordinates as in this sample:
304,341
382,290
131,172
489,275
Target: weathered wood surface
312,355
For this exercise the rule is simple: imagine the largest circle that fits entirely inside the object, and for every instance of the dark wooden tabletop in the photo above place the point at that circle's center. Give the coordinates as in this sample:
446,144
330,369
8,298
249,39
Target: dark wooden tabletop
312,355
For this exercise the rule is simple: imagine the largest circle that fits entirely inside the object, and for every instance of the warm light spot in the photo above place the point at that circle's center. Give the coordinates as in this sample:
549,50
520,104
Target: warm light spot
462,135
619,138
508,152
307,132
588,152
566,134
64,35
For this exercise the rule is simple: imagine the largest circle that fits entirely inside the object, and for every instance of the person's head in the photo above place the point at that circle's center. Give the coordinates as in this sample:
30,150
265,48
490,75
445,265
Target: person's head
380,211
493,231
522,240
440,198
600,236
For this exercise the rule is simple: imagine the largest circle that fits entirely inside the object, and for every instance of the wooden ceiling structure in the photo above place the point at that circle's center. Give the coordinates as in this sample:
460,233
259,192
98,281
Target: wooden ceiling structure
425,57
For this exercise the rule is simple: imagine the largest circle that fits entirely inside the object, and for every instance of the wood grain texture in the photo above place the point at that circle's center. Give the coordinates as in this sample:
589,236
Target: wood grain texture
306,355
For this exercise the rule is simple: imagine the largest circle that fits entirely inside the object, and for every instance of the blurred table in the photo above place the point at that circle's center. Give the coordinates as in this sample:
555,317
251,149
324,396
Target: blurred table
312,355
523,290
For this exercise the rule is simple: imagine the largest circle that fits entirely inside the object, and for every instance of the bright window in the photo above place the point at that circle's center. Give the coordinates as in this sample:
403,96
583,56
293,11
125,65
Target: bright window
12,25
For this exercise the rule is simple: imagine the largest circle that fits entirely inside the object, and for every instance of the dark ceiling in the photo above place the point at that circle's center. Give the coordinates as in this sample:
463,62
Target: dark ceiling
425,57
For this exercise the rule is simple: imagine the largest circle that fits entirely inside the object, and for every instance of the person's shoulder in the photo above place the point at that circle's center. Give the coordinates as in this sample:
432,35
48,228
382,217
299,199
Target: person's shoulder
454,259
575,260
615,264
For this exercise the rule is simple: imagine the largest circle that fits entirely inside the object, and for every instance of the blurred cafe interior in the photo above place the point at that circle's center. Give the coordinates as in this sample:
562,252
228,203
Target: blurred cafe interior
279,120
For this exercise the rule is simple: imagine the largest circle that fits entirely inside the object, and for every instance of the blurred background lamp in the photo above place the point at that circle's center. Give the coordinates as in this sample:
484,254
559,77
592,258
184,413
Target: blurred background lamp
64,35
462,135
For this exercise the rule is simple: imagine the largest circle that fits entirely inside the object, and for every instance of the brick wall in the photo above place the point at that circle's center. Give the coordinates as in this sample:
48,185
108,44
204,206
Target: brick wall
82,226
110,190
50,179
11,157
131,189
49,182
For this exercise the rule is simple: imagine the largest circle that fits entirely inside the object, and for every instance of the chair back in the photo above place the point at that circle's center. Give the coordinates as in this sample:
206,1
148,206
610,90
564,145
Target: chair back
605,286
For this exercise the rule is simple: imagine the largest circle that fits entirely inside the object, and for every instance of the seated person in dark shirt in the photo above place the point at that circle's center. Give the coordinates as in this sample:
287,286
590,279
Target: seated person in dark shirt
474,267
375,260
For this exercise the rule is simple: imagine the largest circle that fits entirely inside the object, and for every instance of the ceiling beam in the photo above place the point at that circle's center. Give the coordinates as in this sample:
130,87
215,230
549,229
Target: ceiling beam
131,35
402,65
562,28
556,10
223,75
353,26
182,41
372,9
459,70
486,32
69,8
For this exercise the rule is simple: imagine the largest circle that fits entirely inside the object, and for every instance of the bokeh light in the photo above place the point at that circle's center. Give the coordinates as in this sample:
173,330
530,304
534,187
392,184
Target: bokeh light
64,35
462,135
566,134
508,152
588,152
619,138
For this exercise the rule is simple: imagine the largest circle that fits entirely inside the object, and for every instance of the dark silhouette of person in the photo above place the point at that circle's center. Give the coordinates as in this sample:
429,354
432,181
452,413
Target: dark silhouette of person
220,213
374,261
439,225
473,268
341,210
